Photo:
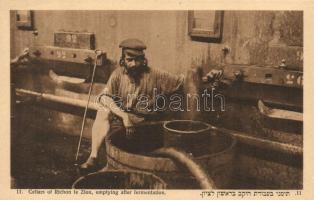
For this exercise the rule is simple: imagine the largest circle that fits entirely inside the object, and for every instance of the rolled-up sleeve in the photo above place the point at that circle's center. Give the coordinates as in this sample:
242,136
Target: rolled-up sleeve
170,83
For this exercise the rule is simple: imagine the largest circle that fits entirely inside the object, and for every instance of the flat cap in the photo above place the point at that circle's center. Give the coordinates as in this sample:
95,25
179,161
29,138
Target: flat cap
133,44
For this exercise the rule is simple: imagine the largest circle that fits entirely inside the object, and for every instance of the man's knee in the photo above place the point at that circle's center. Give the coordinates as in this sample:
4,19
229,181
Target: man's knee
101,123
103,114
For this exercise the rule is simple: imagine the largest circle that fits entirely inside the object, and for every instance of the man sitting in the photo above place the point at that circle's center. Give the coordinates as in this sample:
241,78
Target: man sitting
123,95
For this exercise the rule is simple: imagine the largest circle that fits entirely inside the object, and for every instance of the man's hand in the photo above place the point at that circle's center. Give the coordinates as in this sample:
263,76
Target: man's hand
128,119
129,127
213,75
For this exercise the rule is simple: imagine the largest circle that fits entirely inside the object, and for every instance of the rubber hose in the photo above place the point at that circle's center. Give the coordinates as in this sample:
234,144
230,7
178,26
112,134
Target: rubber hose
195,169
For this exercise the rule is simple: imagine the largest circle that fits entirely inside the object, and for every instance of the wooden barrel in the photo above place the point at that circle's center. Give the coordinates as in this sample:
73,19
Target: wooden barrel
119,179
216,154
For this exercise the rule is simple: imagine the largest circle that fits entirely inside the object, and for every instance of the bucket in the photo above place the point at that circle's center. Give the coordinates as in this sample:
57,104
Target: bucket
119,179
187,135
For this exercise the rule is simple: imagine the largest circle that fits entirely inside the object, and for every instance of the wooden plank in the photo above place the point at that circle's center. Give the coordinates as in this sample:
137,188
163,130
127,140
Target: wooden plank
263,143
279,96
279,113
82,56
265,75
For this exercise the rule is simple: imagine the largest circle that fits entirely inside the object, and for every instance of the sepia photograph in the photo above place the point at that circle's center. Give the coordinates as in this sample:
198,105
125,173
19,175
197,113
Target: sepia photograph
156,100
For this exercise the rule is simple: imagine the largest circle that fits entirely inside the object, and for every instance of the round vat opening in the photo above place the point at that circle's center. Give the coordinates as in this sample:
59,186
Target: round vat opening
120,180
148,138
186,126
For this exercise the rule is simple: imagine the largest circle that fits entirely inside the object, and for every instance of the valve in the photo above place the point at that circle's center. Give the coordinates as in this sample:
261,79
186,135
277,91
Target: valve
283,64
88,59
238,75
36,53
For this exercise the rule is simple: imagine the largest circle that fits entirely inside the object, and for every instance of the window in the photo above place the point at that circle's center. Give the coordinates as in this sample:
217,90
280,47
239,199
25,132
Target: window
24,19
205,24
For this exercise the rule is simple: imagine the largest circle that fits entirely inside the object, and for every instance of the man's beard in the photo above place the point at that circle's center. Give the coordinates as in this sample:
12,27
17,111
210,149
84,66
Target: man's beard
135,72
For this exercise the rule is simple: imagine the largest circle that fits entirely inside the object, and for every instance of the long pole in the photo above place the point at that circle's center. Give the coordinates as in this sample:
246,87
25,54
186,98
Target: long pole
86,107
